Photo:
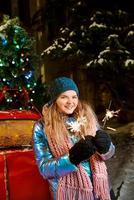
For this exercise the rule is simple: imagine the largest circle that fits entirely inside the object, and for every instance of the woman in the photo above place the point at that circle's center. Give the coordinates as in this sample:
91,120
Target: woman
70,147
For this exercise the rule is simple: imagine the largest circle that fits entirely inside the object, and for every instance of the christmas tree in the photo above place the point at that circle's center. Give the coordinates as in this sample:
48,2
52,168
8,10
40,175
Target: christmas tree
18,60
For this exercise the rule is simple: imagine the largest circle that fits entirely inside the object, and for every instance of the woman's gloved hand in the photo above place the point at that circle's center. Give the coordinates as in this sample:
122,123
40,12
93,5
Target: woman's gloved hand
102,141
82,150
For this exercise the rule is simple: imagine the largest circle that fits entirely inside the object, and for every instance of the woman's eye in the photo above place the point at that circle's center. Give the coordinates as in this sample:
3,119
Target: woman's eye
75,97
63,97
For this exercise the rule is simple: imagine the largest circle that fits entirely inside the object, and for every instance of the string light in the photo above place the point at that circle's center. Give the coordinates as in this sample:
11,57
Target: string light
4,42
28,85
13,62
29,75
23,69
21,60
22,54
17,46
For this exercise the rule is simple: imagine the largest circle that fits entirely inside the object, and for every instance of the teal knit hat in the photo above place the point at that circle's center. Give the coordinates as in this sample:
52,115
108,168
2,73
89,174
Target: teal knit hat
60,85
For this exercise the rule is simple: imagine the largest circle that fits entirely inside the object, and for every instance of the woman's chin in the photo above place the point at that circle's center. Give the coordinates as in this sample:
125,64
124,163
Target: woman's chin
69,112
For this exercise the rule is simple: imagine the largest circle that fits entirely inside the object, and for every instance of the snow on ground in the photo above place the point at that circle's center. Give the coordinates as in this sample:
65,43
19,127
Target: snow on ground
121,166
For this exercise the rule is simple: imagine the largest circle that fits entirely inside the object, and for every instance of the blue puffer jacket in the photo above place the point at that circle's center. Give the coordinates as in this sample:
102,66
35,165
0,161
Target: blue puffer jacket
52,169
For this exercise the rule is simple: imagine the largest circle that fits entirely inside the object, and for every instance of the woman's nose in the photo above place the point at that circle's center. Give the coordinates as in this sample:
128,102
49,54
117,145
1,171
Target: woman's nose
69,100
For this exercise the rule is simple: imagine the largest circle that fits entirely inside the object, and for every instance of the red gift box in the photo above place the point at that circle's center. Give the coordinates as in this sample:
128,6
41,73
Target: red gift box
20,178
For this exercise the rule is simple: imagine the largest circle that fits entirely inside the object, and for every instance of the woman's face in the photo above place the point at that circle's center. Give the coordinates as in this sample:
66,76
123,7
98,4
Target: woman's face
67,102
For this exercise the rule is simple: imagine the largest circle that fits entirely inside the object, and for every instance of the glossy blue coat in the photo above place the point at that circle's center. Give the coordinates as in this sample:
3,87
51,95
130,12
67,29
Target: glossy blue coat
53,168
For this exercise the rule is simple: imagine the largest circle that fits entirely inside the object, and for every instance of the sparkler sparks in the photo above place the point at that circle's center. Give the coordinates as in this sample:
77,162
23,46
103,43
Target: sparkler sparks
110,114
76,125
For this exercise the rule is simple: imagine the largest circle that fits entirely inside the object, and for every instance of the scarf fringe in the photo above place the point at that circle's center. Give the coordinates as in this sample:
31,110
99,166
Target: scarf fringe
66,193
101,188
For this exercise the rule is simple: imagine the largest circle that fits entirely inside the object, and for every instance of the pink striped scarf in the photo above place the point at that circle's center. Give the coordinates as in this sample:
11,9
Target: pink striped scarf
77,185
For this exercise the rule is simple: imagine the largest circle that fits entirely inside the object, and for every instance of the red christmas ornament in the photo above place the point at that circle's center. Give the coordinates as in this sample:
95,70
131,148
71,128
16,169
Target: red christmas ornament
2,93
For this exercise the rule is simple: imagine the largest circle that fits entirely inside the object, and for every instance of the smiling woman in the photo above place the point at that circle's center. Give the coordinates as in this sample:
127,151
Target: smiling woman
70,147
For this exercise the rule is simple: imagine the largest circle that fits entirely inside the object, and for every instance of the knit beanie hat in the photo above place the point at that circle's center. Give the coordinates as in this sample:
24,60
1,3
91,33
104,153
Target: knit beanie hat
60,85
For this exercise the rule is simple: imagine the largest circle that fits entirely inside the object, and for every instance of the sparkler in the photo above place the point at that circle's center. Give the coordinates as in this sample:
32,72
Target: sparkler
110,114
76,125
